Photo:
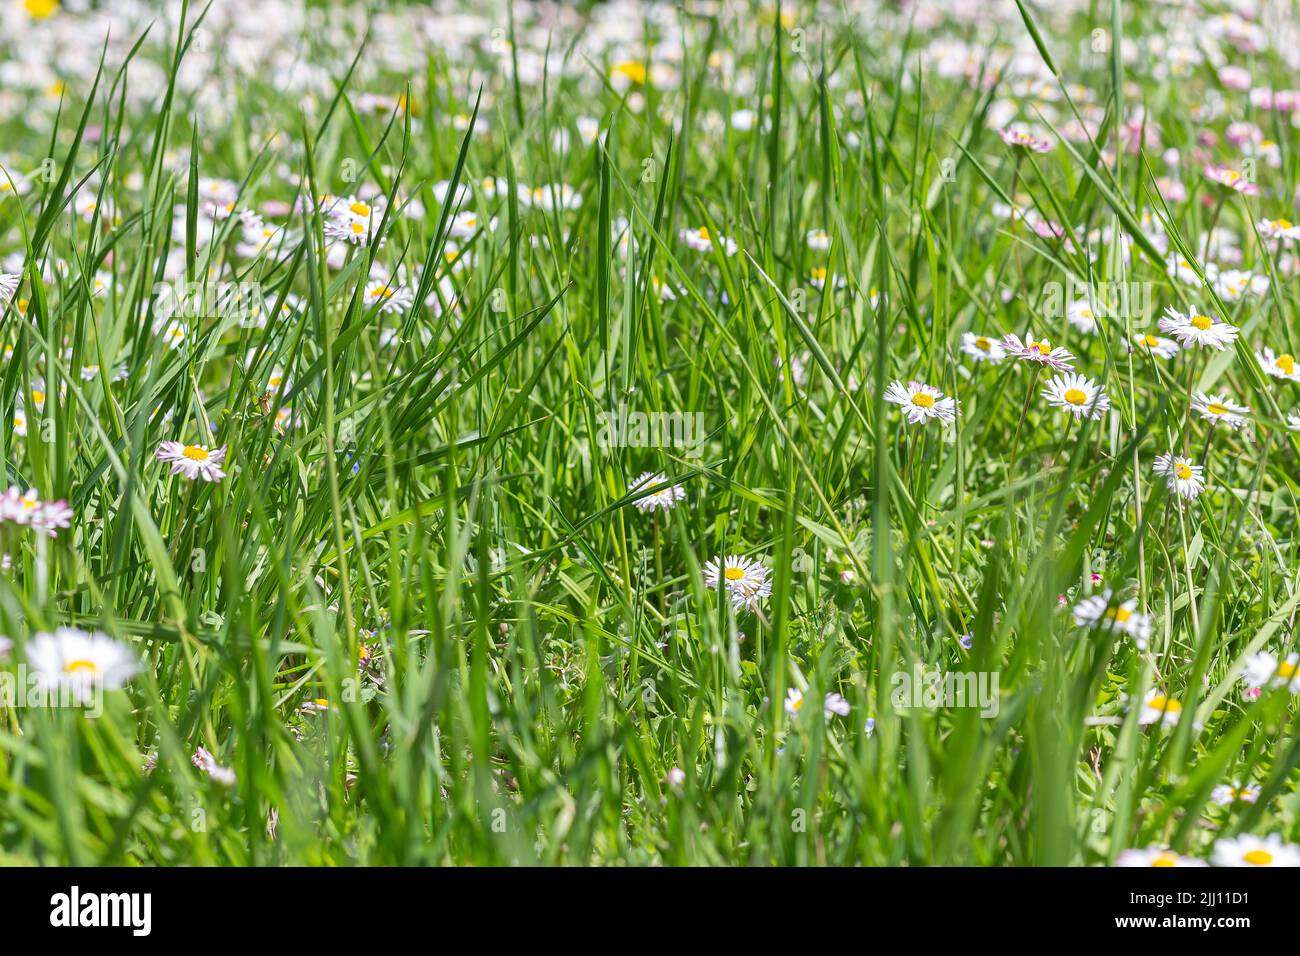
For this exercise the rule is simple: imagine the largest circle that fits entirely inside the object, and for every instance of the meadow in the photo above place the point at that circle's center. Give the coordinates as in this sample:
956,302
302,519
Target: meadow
649,434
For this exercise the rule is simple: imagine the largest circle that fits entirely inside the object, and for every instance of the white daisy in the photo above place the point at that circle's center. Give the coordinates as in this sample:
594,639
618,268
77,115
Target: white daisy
1159,708
1278,229
982,348
746,580
79,662
1040,351
389,297
1224,795
1196,328
1078,395
1080,315
1234,284
702,241
663,499
1279,366
1220,409
793,701
819,240
1157,345
921,402
1263,668
1100,610
1185,479
193,461
1245,849
1156,856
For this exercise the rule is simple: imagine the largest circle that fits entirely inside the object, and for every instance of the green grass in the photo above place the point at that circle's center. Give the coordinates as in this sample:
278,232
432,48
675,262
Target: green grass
544,676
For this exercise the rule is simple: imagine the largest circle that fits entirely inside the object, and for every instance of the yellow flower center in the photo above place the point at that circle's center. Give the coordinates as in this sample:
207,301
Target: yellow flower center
733,574
703,232
1165,859
1118,614
1286,670
1286,363
40,9
1257,857
195,453
1201,322
1182,471
81,664
360,209
1076,396
632,70
983,344
358,228
38,396
1167,704
1282,223
1215,409
1150,341
923,399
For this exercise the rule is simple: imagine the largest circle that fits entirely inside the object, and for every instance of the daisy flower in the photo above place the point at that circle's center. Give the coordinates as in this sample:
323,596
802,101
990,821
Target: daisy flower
1194,328
1157,345
1234,284
702,241
818,240
746,580
1078,395
663,499
466,224
1224,794
832,705
921,402
1156,856
1279,366
9,285
1184,478
1230,179
391,298
193,461
793,701
1263,668
1023,139
1158,708
1042,352
1245,849
1218,408
1100,610
79,662
982,348
1278,229
27,510
1080,315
